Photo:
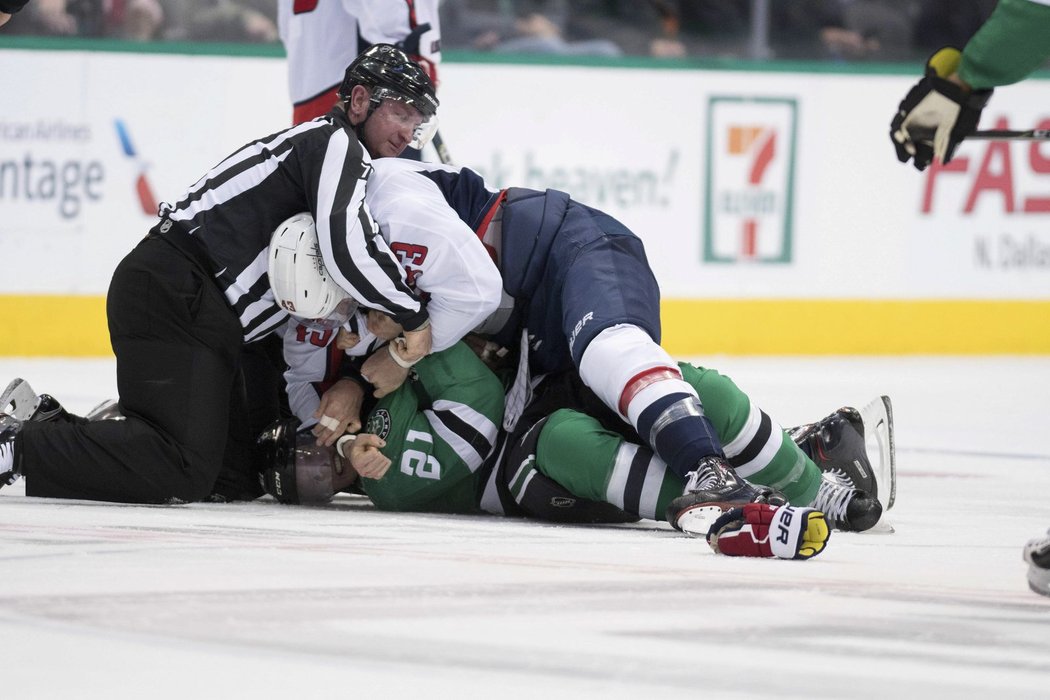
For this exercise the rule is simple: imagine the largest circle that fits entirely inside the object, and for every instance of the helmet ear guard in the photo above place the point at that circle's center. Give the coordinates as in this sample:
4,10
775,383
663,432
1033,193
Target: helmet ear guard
293,468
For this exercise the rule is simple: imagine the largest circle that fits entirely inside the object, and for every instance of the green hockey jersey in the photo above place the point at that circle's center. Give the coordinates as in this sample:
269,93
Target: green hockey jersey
439,427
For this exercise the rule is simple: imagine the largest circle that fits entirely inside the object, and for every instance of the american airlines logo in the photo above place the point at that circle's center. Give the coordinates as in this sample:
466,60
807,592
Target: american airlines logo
749,180
142,187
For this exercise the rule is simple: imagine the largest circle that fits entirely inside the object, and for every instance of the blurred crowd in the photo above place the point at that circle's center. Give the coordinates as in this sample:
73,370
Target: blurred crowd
150,20
843,30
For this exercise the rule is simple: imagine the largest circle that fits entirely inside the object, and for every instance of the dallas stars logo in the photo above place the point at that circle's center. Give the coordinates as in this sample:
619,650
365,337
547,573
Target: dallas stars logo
379,423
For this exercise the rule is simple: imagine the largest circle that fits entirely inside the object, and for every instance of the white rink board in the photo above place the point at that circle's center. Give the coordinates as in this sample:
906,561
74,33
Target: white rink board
833,215
177,130
267,601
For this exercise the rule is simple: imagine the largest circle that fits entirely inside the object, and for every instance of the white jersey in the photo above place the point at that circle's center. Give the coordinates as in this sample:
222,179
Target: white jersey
322,37
444,260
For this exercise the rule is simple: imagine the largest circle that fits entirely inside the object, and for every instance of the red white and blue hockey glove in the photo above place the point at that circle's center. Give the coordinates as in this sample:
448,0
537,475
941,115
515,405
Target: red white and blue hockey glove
762,530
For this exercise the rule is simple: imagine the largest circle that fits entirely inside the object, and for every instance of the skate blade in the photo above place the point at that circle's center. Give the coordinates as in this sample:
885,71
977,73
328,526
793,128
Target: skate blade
883,527
878,435
19,400
697,520
107,410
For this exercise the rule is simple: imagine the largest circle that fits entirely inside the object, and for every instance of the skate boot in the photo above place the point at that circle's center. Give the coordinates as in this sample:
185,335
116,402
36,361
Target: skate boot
1037,554
840,444
712,489
23,404
847,509
9,428
836,445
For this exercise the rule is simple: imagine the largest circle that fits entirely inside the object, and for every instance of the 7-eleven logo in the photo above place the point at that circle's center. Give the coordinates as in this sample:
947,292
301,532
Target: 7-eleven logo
749,180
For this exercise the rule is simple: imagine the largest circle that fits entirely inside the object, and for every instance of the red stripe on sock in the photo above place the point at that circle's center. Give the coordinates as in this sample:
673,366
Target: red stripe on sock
642,380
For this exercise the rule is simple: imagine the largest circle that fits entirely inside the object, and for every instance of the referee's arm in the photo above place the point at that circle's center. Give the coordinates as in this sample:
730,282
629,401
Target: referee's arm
356,256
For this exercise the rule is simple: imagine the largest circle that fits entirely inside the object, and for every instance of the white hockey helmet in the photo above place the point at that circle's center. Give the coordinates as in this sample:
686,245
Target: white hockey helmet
301,285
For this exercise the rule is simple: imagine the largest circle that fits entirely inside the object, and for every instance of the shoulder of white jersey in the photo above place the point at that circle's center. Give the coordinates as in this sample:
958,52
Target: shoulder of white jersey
394,167
401,170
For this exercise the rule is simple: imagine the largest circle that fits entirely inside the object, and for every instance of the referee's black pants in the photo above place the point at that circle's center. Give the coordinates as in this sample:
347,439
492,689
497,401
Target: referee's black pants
177,344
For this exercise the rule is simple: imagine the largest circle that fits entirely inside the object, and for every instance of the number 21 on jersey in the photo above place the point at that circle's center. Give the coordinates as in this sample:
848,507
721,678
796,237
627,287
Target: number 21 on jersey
418,463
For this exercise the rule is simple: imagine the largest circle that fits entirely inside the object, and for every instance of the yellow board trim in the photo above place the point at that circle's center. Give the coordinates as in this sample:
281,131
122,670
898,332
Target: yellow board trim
856,327
75,326
54,326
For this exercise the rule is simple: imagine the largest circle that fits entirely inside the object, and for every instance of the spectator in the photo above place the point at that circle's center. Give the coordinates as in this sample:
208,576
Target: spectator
219,20
9,7
651,27
142,20
517,26
948,23
49,18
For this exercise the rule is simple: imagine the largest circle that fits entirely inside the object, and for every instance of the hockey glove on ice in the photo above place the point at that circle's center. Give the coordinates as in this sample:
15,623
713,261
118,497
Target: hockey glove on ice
762,530
936,114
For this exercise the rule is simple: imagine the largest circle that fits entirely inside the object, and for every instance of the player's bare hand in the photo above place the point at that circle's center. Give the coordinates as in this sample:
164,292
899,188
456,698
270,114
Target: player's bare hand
365,457
383,373
346,340
339,412
382,326
417,344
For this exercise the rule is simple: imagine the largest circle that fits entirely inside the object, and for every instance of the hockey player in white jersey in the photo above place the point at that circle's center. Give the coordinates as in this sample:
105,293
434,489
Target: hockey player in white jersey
322,37
577,293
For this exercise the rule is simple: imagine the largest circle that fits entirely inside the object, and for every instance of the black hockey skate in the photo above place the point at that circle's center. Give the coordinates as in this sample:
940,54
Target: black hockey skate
712,489
9,428
23,404
839,443
846,508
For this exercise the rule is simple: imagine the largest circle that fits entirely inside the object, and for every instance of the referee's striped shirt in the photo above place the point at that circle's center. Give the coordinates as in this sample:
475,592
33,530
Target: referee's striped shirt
319,167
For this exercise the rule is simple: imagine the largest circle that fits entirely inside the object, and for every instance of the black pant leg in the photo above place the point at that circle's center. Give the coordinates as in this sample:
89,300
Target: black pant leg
177,344
259,398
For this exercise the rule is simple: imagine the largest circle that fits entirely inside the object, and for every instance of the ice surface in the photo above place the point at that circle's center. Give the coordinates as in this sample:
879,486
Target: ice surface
261,600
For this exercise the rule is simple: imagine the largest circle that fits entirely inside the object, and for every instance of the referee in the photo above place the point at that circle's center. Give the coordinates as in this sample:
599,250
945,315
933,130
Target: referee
182,304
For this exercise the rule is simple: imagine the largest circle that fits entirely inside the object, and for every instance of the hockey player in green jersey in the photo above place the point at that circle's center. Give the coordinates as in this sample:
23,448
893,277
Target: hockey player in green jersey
441,450
455,403
438,431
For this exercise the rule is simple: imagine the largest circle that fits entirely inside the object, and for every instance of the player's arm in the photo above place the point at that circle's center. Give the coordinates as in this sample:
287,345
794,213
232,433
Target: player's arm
325,391
355,254
945,106
446,261
308,352
1009,46
461,389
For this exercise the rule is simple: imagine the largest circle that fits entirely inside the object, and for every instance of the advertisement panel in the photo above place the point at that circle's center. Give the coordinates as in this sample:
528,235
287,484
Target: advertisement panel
90,142
765,198
749,180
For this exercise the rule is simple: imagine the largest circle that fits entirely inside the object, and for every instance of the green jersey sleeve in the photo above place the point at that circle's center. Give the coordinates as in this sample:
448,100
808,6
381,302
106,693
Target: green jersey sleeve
1013,43
439,428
